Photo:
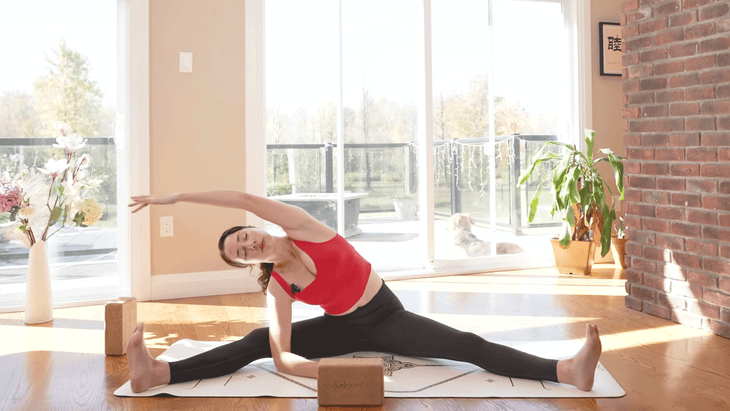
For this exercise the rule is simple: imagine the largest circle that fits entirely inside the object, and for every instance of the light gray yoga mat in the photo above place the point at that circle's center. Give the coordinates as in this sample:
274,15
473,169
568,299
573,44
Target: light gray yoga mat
404,377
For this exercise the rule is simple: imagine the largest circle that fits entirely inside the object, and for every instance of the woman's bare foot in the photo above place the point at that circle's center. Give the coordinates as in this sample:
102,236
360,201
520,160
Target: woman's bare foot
581,369
145,371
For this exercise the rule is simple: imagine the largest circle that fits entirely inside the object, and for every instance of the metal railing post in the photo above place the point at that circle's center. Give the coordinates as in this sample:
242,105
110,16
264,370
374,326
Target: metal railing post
329,168
455,190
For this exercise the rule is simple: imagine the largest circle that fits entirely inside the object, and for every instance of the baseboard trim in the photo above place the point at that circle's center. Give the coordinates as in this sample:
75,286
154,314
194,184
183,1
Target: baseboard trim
171,286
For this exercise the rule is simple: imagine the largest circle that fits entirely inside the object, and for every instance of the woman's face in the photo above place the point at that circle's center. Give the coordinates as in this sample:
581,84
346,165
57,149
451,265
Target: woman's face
249,246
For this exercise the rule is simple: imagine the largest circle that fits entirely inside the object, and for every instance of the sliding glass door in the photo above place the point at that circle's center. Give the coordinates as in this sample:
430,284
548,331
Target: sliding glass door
351,137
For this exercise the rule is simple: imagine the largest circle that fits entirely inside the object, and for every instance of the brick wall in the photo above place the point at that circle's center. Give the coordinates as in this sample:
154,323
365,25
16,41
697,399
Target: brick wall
676,97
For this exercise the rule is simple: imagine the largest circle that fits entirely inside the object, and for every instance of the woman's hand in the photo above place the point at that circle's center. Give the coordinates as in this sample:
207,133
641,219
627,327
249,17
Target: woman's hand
141,202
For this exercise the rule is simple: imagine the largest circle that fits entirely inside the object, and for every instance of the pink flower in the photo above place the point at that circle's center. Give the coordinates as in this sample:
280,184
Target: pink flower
10,196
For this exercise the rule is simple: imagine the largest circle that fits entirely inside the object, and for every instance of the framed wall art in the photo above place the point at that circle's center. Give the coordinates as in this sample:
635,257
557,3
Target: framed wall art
612,48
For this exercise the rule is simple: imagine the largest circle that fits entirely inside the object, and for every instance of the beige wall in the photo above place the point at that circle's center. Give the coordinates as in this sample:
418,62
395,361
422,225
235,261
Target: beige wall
197,139
607,93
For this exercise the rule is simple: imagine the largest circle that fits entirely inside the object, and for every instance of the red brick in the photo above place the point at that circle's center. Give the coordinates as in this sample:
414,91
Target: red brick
628,5
658,311
632,303
646,267
670,184
724,187
641,126
641,153
719,139
669,124
684,80
686,289
723,91
632,140
634,250
657,282
684,140
714,233
702,186
686,318
652,26
670,213
629,59
627,86
725,285
702,308
654,111
683,50
684,170
714,170
669,96
719,328
669,154
655,169
725,314
642,210
653,84
638,44
724,220
628,32
684,109
699,123
716,203
653,253
667,8
638,15
715,107
700,93
686,230
699,30
718,44
723,25
723,123
717,298
725,252
631,112
670,242
661,226
699,63
671,301
661,39
703,280
723,59
642,238
682,19
715,77
655,140
641,98
687,261
690,4
701,154
686,200
631,196
701,217
716,266
641,182
706,249
723,154
715,11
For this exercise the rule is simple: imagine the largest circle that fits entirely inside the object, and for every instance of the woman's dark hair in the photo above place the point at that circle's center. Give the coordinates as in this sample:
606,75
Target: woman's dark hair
266,268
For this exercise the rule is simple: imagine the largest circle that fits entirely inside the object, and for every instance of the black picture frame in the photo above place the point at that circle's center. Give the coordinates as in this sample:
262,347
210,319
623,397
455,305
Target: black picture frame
612,48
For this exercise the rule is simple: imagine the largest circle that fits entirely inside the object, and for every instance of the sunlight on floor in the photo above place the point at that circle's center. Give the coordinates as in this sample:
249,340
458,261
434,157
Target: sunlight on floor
651,336
24,338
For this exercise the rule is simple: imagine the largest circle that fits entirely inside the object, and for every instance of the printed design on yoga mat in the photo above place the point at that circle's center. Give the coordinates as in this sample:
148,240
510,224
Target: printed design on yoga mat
404,377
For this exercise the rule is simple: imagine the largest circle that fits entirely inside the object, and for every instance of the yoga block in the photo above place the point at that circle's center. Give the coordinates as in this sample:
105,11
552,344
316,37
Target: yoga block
120,319
350,381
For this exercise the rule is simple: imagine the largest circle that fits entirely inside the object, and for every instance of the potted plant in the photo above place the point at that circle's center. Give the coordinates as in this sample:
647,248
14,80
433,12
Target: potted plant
579,197
618,244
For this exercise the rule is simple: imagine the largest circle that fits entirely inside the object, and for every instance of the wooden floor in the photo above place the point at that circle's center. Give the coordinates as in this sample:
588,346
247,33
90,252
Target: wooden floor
660,364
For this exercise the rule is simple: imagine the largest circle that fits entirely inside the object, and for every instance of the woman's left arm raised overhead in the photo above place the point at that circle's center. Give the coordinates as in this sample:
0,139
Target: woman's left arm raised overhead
292,219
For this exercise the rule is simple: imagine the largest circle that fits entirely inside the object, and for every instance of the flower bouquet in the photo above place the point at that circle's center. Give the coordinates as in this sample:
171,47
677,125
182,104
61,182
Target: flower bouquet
34,205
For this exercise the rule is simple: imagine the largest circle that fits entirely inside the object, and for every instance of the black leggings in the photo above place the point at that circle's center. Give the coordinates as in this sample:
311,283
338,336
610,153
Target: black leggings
380,325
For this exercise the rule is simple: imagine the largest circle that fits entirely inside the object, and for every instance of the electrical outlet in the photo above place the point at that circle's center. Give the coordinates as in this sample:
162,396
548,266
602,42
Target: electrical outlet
166,227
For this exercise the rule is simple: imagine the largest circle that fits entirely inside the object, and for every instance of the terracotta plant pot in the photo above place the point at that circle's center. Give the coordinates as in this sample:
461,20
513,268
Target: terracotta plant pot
618,248
576,259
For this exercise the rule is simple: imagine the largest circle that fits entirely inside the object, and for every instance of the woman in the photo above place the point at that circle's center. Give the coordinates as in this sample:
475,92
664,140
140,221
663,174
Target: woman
313,264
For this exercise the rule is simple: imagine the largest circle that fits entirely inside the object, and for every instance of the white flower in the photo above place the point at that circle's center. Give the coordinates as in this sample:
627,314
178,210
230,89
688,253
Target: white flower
62,127
5,179
72,192
26,211
54,168
95,183
84,161
70,143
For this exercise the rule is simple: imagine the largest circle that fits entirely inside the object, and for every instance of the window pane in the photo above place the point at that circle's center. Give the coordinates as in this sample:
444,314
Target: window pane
64,68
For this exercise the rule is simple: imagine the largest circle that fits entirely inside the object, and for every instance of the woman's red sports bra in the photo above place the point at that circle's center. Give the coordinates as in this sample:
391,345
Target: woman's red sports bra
342,274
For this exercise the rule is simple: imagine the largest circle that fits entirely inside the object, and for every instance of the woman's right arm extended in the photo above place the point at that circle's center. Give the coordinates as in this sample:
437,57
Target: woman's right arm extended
287,216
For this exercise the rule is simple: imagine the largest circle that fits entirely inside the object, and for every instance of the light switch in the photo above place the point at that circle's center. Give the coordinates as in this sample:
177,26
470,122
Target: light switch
186,62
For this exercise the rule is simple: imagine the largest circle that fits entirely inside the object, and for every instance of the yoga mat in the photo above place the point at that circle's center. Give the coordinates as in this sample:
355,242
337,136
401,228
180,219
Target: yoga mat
404,377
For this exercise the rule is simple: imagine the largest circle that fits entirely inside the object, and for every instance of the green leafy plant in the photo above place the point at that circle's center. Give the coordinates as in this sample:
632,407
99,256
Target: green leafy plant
578,190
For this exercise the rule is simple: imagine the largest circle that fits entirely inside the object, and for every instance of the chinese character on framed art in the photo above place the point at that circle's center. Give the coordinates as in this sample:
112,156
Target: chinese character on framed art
612,47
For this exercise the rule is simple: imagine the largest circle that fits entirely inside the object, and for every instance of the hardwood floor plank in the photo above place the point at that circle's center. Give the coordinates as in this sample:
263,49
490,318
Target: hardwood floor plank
660,364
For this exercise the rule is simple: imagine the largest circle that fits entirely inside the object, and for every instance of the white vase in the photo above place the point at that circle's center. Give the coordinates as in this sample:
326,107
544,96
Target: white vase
38,296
